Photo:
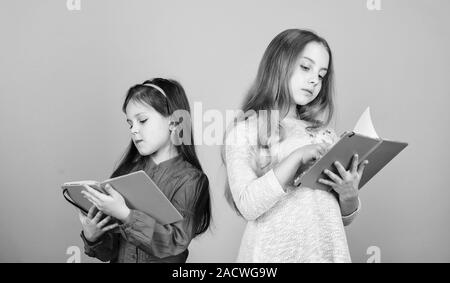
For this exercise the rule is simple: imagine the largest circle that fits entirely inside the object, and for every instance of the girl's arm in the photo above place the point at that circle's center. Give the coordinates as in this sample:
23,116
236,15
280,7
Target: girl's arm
252,195
255,195
159,240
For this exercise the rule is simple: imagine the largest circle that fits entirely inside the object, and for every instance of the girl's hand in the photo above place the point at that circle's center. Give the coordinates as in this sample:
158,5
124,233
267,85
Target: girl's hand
112,204
347,185
312,152
93,226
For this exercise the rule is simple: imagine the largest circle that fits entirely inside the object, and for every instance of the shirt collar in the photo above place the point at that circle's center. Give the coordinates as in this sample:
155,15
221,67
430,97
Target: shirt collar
165,164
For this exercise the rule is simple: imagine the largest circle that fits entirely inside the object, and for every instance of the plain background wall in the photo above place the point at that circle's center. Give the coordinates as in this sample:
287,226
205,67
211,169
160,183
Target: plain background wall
64,74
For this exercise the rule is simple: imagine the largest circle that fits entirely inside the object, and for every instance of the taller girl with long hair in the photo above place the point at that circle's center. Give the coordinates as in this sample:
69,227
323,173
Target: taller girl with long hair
151,111
263,154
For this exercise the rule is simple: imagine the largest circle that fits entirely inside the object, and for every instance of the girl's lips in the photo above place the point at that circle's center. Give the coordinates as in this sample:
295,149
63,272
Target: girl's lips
308,91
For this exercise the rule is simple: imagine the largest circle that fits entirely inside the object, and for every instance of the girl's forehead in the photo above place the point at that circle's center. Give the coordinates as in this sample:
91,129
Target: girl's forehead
135,107
315,52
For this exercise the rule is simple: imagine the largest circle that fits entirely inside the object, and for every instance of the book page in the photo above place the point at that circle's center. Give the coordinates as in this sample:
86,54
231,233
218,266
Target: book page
364,126
85,182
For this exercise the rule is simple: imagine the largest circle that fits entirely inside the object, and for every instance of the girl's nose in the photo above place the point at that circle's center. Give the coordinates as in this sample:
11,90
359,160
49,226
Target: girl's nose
134,130
314,79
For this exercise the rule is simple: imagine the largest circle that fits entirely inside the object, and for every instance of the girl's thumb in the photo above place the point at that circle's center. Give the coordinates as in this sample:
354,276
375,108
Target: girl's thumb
109,189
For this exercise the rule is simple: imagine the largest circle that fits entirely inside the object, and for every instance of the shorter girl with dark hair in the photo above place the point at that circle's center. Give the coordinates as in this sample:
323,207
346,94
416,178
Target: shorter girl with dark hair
155,133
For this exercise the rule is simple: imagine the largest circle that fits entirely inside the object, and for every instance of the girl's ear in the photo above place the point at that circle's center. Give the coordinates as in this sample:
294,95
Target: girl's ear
175,133
172,125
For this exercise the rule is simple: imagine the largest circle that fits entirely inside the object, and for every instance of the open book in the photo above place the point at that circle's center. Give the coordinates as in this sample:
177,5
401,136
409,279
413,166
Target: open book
138,190
364,141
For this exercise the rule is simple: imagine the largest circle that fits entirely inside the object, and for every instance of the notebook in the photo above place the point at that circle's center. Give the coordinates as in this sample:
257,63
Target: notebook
138,190
365,142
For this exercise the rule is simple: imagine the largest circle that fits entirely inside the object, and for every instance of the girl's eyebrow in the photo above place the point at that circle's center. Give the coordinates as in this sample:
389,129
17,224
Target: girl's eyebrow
314,62
139,114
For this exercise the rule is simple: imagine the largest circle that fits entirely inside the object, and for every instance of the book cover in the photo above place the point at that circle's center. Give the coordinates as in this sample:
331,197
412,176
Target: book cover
138,190
365,142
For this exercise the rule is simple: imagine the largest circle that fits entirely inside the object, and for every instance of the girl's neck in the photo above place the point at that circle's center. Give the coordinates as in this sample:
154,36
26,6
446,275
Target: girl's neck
292,112
165,153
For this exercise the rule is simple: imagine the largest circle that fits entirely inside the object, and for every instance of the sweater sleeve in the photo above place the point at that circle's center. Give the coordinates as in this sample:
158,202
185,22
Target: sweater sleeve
106,248
253,194
162,241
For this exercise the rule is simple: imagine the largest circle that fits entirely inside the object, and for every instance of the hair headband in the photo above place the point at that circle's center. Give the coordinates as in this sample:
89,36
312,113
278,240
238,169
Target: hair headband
156,87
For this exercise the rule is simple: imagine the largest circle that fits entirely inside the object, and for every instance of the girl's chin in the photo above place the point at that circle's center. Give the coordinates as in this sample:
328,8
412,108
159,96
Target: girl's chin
145,152
303,100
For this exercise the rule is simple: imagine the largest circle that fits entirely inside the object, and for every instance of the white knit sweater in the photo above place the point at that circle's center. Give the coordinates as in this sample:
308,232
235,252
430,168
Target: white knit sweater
299,225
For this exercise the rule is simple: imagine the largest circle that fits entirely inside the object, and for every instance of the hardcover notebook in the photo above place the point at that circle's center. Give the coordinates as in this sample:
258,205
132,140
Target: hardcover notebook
364,141
138,190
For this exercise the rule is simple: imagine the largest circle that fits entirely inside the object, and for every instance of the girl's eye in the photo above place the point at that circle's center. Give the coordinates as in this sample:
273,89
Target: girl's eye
142,122
304,68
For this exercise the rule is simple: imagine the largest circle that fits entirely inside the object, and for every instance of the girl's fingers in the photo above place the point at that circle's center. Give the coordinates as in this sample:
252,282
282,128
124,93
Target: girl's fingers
97,217
323,148
89,196
355,164
361,167
316,155
91,211
92,200
94,193
103,222
112,226
326,182
340,169
333,176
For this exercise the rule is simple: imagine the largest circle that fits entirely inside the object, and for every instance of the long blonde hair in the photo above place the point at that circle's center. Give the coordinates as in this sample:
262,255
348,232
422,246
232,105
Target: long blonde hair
270,90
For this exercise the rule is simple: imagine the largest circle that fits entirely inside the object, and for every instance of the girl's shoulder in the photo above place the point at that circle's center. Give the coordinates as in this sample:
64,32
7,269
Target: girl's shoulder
191,182
186,181
188,172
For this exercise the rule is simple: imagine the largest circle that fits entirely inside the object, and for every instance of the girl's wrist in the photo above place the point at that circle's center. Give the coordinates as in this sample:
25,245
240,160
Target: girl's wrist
348,206
348,197
348,200
90,239
124,215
